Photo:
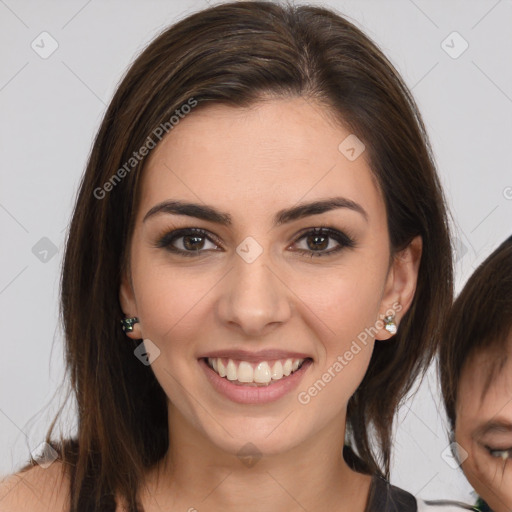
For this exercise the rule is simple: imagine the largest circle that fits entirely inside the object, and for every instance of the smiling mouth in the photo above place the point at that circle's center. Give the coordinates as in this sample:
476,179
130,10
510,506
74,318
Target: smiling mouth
263,373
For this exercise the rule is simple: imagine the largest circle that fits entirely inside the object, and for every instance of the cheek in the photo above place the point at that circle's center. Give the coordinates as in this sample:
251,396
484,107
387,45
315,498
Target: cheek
342,309
346,300
171,303
492,480
339,303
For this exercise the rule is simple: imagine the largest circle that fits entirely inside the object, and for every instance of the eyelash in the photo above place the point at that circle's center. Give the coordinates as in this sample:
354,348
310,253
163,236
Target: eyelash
165,241
498,454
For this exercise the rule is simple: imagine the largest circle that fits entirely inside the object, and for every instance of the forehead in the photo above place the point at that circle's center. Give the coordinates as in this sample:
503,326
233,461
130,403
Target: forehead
277,150
485,388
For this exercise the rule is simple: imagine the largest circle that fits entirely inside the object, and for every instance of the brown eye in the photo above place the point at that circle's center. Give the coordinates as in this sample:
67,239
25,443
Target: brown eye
318,240
187,242
193,242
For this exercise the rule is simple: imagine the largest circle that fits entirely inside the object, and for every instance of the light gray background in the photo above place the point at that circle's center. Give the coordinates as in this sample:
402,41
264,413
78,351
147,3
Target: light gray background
51,109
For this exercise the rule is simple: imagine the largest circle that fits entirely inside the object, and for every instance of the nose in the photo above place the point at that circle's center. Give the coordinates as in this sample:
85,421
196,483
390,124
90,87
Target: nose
255,298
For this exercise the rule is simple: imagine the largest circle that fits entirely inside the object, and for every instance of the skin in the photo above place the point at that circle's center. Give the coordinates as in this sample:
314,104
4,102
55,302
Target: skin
251,163
483,422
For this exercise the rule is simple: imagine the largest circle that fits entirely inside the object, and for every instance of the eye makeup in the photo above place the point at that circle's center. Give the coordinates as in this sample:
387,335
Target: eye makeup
194,239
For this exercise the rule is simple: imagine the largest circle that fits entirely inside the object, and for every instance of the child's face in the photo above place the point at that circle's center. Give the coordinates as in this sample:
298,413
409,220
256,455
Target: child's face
257,283
484,425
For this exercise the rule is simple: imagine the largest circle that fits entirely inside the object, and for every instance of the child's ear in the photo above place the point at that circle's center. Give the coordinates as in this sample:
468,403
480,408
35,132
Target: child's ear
400,285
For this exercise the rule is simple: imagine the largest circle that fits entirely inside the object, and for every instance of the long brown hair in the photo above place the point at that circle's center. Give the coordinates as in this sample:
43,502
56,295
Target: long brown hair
234,54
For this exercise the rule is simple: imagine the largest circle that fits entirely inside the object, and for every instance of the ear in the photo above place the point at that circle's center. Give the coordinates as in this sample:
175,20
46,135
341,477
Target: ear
400,284
129,305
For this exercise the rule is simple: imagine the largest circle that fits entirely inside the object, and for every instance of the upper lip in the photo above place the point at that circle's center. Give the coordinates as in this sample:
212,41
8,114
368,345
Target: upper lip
261,355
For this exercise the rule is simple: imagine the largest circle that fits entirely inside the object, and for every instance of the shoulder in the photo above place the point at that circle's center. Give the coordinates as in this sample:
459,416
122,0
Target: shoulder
36,489
443,506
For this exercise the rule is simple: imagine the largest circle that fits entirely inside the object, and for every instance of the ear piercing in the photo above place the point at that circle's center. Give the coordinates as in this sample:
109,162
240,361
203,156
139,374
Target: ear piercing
128,323
389,324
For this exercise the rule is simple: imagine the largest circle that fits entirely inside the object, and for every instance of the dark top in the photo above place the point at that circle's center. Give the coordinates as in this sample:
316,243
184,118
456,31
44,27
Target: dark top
385,497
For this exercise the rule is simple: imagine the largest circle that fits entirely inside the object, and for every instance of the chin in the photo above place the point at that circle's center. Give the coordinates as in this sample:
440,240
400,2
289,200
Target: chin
263,436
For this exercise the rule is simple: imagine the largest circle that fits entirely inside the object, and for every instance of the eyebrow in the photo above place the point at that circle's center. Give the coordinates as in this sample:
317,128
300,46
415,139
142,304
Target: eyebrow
287,215
493,426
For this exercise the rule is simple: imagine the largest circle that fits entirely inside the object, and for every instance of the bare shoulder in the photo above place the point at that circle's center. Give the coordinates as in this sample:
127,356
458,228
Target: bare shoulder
36,489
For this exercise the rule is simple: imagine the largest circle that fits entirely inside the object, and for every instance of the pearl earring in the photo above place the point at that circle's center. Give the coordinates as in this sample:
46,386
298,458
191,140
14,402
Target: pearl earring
389,324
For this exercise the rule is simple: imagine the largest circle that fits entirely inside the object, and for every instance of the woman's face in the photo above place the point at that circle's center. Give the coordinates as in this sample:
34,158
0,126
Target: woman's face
484,426
252,283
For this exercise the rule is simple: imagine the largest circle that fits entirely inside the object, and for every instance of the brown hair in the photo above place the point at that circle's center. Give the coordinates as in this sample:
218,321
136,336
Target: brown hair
234,54
480,319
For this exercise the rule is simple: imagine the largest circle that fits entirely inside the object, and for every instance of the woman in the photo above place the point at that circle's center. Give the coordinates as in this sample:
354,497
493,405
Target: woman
262,213
476,368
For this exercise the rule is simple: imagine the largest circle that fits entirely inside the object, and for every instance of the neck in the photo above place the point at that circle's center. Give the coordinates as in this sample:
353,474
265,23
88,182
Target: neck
197,475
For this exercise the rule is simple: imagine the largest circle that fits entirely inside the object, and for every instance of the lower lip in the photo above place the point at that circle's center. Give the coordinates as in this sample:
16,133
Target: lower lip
255,394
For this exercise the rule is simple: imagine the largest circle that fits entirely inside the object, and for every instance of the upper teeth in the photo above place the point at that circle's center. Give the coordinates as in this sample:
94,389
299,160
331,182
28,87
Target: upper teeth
261,372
